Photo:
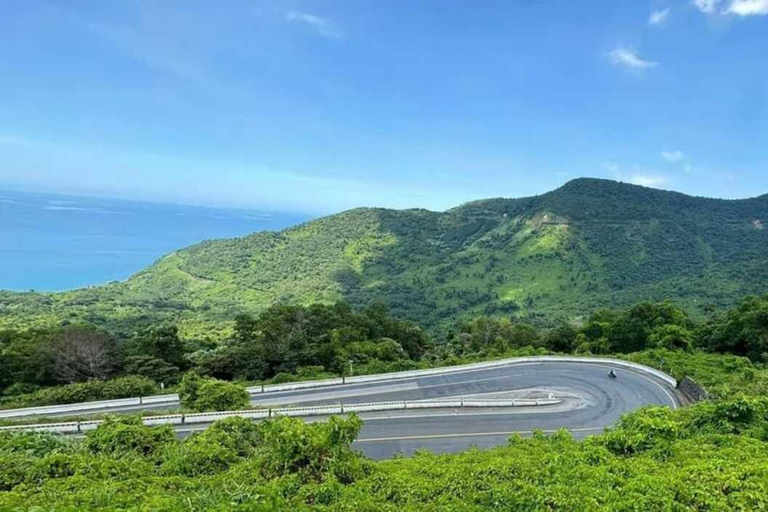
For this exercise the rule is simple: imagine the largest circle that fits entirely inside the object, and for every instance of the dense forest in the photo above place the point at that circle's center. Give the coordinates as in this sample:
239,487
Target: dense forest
560,256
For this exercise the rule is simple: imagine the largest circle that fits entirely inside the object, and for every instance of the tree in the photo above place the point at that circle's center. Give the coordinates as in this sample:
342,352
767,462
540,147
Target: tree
158,370
742,330
672,337
28,357
160,343
562,338
83,353
630,331
246,329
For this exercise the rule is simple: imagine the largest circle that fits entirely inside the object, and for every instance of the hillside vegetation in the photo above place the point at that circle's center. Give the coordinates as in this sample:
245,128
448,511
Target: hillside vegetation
561,255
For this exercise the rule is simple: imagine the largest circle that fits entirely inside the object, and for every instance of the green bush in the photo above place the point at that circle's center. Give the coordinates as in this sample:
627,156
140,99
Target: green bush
199,394
14,470
313,450
282,378
123,387
706,457
188,389
33,443
20,388
124,435
198,456
215,449
219,395
130,386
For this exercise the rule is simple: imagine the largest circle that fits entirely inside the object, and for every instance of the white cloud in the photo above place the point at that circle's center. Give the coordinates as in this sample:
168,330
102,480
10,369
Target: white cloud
673,156
647,180
622,56
611,166
320,25
748,8
658,18
707,6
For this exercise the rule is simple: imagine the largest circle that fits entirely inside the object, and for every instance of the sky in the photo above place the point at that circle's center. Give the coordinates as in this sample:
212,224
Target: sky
322,105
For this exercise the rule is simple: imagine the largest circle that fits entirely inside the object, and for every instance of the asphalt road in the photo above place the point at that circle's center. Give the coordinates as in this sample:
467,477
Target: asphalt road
592,401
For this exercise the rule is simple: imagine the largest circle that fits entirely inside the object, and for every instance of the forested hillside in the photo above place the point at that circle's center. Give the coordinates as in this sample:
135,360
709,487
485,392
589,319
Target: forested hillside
561,255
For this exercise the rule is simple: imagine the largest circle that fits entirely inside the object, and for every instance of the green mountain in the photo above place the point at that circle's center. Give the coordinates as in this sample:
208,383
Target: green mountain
589,244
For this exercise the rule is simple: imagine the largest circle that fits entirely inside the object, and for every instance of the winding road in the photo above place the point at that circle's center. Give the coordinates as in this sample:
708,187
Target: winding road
589,401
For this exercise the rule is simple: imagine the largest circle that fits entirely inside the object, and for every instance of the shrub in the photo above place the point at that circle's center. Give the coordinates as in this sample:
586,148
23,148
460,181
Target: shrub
188,389
198,456
130,386
282,378
20,388
120,436
734,416
33,443
123,387
312,450
14,470
199,394
240,434
219,395
642,430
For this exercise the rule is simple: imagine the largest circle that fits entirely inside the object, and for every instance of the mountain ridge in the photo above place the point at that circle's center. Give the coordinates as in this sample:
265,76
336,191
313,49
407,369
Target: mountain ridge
556,256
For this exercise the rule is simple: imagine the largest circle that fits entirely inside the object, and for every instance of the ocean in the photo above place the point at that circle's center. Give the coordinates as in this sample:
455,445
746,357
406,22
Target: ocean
53,243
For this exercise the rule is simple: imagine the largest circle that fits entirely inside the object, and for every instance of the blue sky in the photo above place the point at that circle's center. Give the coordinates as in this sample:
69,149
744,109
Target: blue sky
318,106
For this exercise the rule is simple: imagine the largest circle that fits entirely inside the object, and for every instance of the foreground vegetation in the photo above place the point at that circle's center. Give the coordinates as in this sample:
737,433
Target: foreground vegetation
712,456
562,255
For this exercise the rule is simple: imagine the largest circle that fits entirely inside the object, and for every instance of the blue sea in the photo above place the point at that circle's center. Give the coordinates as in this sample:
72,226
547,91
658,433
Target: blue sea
53,243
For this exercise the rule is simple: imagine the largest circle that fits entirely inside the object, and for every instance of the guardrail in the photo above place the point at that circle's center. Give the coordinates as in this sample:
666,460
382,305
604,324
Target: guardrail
171,400
77,427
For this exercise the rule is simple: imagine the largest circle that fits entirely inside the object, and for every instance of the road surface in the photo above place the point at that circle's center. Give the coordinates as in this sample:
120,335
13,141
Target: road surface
591,401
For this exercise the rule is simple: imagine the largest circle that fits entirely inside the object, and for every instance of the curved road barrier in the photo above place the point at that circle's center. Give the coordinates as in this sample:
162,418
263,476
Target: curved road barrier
326,410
